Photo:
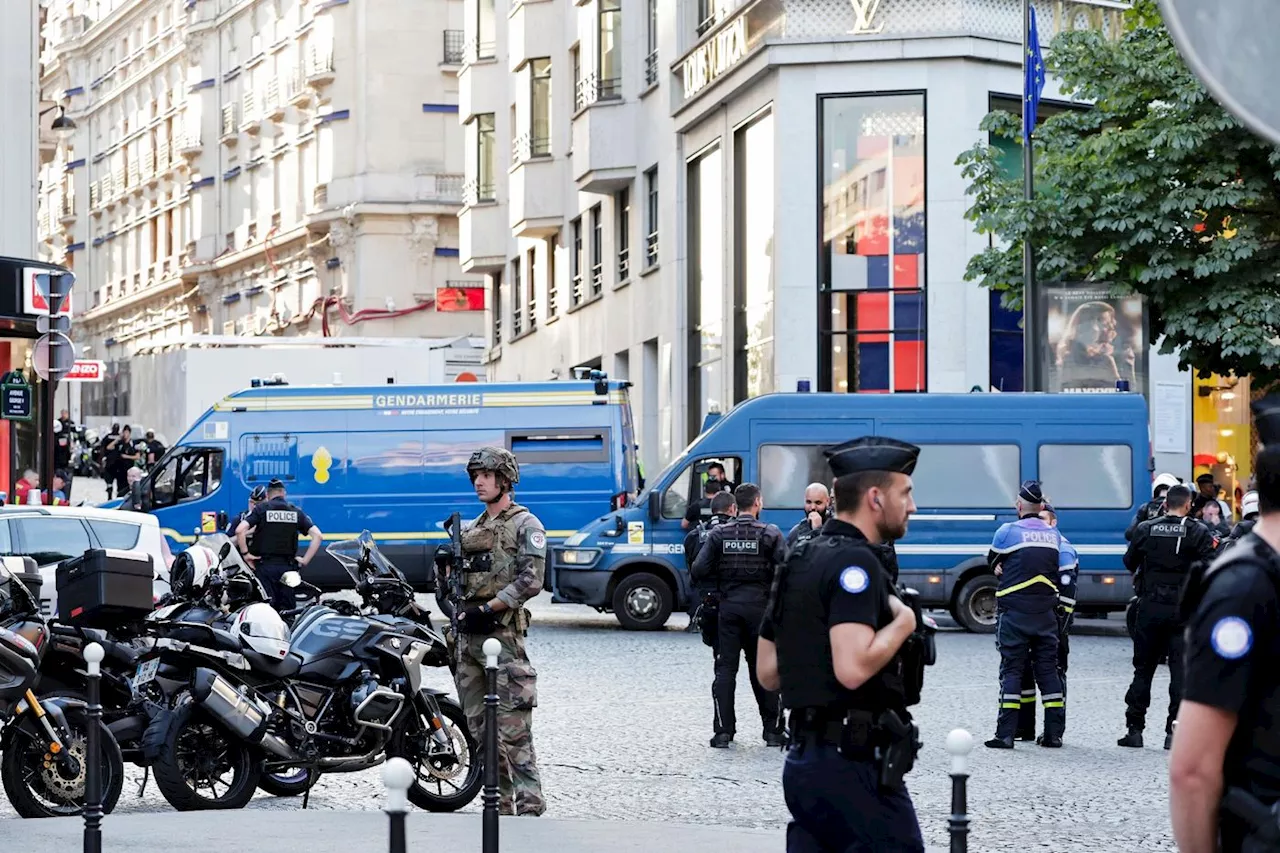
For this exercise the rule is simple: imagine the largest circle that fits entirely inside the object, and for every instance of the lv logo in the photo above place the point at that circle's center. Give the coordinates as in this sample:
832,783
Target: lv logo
864,12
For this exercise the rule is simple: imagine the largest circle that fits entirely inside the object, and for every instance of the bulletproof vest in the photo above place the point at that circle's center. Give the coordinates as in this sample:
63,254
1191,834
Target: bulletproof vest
1253,755
489,548
803,639
744,552
1029,568
698,537
1166,560
277,536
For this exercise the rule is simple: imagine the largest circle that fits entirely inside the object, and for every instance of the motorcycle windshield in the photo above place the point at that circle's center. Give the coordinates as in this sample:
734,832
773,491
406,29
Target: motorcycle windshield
362,560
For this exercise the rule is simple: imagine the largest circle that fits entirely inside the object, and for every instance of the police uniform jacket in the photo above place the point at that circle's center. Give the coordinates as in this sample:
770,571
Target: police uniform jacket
801,533
1162,551
1146,512
740,556
832,580
1068,576
1232,609
697,536
277,525
1031,560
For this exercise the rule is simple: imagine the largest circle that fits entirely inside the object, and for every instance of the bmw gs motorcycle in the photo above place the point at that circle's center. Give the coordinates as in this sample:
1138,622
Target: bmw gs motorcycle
43,743
342,693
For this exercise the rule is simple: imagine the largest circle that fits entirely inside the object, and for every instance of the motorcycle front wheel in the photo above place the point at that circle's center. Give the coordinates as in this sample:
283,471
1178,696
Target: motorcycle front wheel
442,783
202,766
37,790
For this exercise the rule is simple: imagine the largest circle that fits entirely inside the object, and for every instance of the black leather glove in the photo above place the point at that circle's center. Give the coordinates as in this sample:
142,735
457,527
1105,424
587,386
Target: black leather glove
478,620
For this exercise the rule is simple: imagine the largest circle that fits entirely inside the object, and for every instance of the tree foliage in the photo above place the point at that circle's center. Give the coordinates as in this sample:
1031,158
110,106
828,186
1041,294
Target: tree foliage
1157,189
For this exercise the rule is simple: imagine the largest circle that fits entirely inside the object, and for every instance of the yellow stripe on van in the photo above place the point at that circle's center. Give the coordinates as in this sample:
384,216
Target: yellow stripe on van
500,399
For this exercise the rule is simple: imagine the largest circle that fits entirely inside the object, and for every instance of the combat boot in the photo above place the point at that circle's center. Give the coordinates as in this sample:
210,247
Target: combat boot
1132,740
721,740
1049,741
999,743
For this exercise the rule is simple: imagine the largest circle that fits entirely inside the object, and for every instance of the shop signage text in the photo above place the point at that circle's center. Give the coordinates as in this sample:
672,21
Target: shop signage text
716,56
86,370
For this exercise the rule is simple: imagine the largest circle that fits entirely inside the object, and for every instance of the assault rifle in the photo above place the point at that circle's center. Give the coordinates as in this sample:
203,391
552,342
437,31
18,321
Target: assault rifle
449,571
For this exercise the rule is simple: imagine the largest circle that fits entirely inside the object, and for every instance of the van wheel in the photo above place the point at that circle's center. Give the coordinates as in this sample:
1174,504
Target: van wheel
975,606
642,602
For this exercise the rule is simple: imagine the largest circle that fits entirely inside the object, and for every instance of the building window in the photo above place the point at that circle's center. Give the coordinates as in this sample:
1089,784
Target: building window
651,217
597,251
579,94
517,291
712,12
651,56
540,107
484,44
531,288
706,289
1006,346
609,84
495,306
753,268
575,265
872,308
486,151
553,303
622,208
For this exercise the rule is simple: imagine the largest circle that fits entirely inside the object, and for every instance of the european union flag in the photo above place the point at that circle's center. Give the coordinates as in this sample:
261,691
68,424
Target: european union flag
1033,80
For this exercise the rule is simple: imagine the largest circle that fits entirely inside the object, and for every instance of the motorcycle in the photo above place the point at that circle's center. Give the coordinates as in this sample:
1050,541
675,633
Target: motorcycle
340,694
44,742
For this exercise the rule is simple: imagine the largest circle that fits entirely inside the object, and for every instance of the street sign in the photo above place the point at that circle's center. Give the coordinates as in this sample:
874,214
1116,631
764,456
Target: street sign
86,370
35,300
1230,45
53,356
15,399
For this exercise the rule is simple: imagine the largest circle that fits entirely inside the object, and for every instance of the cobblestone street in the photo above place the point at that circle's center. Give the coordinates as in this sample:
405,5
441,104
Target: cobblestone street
624,719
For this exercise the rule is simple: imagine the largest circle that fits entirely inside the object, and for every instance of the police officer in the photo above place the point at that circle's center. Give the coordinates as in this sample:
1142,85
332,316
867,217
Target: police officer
740,557
1226,741
505,551
1160,556
257,496
1248,518
817,504
277,524
700,510
1068,577
705,603
835,643
1154,507
1027,556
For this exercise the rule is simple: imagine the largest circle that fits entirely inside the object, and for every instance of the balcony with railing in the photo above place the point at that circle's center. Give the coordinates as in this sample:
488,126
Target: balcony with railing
272,104
250,118
650,249
95,195
190,146
479,51
297,91
455,47
624,264
320,70
604,139
593,88
230,126
67,209
651,68
148,165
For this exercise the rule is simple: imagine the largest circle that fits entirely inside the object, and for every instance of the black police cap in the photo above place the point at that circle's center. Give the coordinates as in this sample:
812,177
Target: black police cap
872,453
1266,414
276,483
1031,492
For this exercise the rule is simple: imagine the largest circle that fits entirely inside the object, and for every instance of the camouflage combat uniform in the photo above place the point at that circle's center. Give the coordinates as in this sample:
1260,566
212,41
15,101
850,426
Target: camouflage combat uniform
517,546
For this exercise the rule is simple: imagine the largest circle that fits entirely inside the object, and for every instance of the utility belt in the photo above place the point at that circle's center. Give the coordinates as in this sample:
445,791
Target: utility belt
520,619
1263,820
887,740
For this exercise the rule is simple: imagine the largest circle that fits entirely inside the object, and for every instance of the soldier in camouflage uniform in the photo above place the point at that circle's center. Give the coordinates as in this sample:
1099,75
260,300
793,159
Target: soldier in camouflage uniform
505,554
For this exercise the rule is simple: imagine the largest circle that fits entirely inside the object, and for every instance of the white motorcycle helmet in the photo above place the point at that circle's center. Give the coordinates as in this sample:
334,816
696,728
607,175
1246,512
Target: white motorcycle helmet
1166,480
261,627
189,574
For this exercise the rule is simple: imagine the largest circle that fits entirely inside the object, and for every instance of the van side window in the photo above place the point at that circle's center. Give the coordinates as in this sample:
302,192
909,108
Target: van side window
1087,476
186,476
787,469
967,476
269,456
687,486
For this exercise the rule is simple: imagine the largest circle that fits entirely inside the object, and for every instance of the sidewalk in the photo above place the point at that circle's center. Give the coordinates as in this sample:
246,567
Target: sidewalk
274,831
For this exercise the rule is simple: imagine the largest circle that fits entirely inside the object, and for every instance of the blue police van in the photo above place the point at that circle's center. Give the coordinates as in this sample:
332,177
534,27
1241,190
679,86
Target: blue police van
392,459
1091,451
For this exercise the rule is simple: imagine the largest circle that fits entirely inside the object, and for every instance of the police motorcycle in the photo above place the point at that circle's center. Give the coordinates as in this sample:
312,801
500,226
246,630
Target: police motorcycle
342,693
43,741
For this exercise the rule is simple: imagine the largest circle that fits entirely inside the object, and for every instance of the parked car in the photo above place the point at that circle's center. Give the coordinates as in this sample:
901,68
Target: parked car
51,534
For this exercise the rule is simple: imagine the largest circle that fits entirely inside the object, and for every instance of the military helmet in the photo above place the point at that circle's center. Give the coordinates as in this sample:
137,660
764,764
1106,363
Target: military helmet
495,459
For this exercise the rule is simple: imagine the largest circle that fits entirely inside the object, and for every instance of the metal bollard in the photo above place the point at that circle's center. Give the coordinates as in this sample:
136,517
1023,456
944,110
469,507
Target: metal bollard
959,744
397,776
492,648
93,655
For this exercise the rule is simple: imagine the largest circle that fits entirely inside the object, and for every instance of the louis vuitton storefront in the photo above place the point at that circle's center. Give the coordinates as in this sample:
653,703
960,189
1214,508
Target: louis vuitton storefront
824,218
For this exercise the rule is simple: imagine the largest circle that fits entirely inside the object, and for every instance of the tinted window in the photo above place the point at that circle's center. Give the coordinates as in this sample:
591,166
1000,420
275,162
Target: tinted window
116,534
675,501
51,540
966,476
6,542
1087,476
787,469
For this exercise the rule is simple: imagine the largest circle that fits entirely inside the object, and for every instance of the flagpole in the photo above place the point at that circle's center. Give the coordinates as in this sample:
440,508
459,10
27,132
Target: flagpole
1031,332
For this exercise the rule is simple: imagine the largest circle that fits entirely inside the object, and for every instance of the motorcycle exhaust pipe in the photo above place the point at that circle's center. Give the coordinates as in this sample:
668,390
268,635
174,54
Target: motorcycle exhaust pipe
243,715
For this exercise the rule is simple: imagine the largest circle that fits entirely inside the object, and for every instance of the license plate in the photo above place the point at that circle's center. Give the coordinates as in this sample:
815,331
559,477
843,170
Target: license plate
146,673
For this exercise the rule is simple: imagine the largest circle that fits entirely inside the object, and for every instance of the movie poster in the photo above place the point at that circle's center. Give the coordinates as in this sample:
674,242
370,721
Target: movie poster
1094,343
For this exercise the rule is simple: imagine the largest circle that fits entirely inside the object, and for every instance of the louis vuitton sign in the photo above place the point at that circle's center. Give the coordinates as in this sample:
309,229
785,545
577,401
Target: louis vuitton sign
715,56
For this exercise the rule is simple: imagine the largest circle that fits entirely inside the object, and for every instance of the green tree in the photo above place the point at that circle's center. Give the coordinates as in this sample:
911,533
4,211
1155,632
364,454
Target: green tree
1157,189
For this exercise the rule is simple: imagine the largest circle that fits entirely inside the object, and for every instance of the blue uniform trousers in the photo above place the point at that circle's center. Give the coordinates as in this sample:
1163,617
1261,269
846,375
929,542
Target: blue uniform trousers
1027,715
837,805
1033,636
270,570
